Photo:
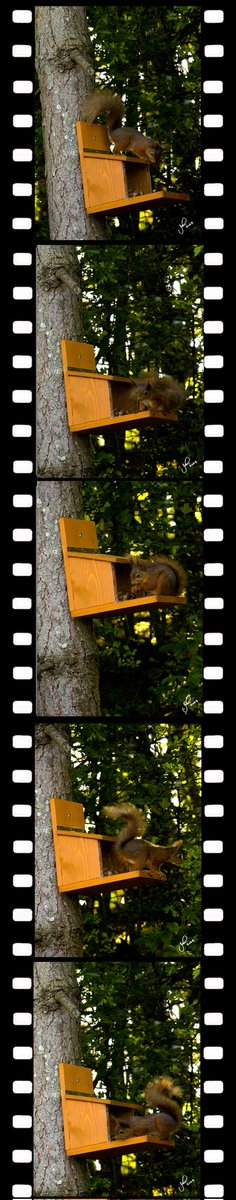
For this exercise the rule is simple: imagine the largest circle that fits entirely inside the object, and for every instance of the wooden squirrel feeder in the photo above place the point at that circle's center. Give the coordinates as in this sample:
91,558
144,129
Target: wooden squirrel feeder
86,1118
83,859
98,584
110,180
93,400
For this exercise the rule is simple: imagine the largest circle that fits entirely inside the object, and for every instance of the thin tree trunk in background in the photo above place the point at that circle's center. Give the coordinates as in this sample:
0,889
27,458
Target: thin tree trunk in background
56,1039
65,72
68,683
59,315
193,357
58,930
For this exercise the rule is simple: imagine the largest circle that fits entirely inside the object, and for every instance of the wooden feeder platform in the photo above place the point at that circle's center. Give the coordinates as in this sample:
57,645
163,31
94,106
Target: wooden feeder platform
94,400
97,583
83,859
110,180
86,1118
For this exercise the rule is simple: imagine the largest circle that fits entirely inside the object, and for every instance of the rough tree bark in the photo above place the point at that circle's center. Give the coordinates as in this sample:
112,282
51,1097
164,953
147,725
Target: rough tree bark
67,653
66,649
56,1039
66,75
59,315
58,930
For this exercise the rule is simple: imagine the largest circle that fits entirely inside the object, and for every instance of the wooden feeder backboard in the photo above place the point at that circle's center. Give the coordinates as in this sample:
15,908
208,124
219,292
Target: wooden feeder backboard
92,398
109,179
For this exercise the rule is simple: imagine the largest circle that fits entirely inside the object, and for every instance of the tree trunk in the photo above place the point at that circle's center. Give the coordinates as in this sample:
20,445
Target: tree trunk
58,932
56,1039
67,662
66,647
65,73
59,315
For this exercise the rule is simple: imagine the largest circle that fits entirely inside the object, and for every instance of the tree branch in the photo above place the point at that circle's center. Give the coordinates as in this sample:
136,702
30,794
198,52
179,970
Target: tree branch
69,282
57,737
68,1004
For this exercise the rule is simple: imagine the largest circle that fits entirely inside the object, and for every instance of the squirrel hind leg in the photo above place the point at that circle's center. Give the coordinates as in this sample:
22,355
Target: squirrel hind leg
165,1125
166,582
156,873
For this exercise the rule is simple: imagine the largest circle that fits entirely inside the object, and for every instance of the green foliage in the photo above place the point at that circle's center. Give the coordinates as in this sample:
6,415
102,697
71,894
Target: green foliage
150,661
142,309
137,1022
158,769
150,55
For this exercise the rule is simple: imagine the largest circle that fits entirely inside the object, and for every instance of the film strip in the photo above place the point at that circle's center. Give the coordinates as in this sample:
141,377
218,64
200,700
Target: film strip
217,716
22,595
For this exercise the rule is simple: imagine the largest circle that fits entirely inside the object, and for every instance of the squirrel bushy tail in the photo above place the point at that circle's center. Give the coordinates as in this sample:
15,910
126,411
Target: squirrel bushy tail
136,822
161,1093
103,102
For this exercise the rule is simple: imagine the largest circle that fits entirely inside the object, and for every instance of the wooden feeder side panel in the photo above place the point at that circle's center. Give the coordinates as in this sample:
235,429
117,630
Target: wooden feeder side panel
88,399
87,1125
105,179
92,583
80,860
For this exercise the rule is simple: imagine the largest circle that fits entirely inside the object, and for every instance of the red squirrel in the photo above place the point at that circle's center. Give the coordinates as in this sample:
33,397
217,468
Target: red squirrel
159,393
135,851
159,575
162,1094
123,137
